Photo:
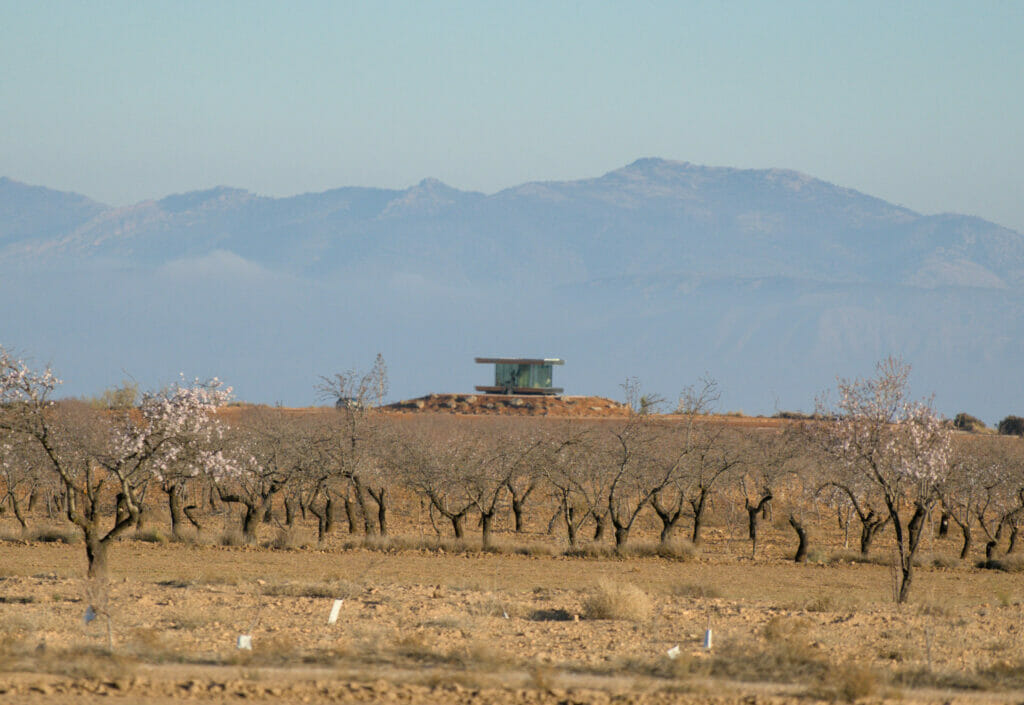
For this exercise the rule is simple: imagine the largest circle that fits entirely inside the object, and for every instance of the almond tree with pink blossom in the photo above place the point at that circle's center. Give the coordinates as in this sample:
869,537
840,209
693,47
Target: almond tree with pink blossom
878,436
95,454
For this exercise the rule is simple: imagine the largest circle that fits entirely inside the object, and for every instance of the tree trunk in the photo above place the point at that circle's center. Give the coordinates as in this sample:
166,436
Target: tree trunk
328,515
190,513
944,525
698,505
96,553
121,508
914,530
621,536
965,529
668,517
350,514
486,522
870,525
801,534
517,514
570,523
174,505
559,514
381,499
289,511
518,502
321,520
321,525
368,526
457,524
1013,539
753,511
250,520
382,515
16,507
602,526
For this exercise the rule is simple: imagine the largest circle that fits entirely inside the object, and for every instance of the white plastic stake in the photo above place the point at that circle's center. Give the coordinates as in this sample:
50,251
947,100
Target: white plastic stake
245,642
707,639
335,611
674,652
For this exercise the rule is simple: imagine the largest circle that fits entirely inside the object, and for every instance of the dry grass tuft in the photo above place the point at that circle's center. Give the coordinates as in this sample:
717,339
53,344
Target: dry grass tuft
695,590
849,682
617,600
54,534
786,656
151,536
1007,564
590,550
233,537
287,539
858,557
339,589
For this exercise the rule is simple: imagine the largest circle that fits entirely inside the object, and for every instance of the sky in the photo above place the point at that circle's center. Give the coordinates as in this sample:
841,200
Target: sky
919,103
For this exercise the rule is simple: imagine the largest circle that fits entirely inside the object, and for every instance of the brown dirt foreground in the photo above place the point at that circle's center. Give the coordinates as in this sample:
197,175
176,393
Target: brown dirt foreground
436,627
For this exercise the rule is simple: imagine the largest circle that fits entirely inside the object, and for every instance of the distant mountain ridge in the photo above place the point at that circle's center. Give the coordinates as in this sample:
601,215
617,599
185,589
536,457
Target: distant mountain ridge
770,280
644,217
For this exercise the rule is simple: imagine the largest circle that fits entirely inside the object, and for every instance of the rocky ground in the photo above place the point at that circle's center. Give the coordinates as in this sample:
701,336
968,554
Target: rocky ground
451,626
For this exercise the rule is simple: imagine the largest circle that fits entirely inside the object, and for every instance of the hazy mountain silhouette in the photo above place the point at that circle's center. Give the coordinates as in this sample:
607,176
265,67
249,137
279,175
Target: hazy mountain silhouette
770,280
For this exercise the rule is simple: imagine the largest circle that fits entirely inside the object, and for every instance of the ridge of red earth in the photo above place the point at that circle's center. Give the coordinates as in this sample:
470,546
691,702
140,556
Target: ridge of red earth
512,405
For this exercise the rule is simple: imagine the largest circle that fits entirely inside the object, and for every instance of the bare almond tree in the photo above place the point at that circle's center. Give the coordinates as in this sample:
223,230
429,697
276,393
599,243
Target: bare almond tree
358,397
20,463
566,465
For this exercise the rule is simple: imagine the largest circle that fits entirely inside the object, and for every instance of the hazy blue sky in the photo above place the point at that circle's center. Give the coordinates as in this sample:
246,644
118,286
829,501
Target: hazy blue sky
919,103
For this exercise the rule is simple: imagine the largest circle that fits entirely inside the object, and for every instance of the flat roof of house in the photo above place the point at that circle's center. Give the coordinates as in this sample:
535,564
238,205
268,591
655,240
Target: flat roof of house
520,360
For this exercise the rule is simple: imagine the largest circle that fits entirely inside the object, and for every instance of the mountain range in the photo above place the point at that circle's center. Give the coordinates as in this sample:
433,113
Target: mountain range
770,281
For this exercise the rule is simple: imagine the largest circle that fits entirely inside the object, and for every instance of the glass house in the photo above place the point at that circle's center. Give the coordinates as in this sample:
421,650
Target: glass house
518,375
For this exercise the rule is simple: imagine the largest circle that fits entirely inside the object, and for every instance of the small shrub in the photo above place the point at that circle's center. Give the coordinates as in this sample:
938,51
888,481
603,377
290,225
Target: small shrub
848,556
852,681
677,549
966,422
233,537
590,550
821,603
785,629
1011,426
150,536
340,589
55,534
12,536
696,590
617,600
549,615
946,562
287,539
1007,564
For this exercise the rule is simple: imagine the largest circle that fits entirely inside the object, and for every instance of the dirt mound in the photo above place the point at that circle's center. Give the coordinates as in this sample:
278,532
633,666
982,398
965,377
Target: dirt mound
512,405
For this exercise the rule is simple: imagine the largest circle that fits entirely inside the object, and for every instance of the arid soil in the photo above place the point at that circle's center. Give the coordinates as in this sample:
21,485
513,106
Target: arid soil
443,624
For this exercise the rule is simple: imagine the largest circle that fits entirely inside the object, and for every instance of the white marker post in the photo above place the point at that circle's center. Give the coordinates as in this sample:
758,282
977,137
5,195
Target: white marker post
674,652
335,611
245,642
